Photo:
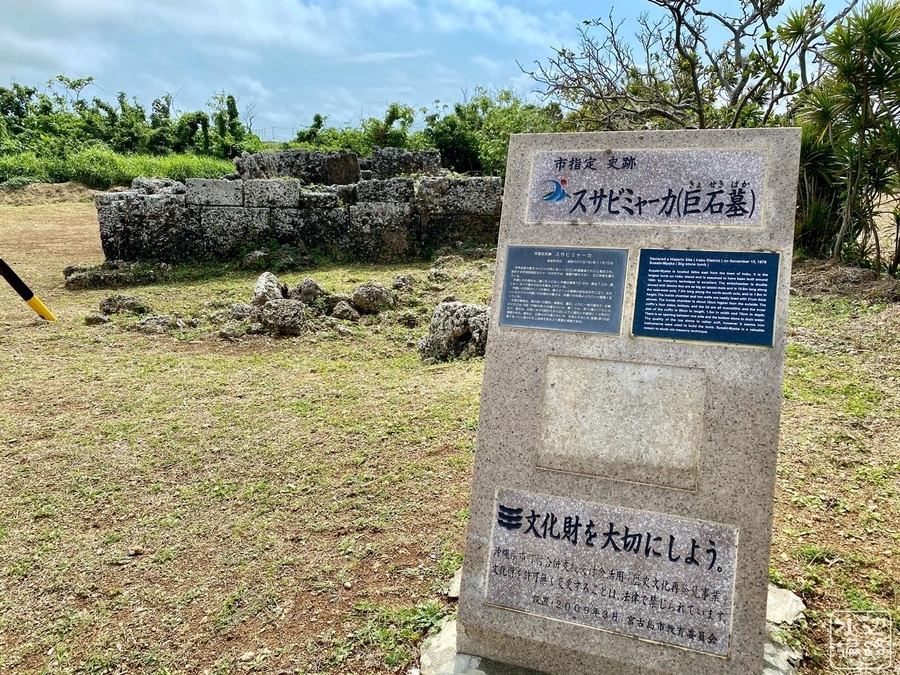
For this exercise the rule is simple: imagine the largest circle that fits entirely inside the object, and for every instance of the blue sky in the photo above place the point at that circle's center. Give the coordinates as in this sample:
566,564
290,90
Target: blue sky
291,58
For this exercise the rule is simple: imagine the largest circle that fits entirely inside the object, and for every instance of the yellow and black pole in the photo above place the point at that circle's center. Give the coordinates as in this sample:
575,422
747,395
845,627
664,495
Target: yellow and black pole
19,287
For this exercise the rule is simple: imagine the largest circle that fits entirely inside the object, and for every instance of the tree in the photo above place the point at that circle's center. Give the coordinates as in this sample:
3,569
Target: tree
676,77
855,113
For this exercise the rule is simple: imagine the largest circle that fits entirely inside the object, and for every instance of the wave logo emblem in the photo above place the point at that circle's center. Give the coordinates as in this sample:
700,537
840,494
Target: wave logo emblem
558,193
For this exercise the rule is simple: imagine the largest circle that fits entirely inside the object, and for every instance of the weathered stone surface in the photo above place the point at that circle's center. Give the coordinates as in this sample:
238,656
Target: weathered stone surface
324,200
272,193
436,275
391,162
95,319
372,297
382,232
284,317
322,168
267,288
448,261
153,186
257,260
343,310
473,196
228,230
392,190
308,291
158,323
455,583
242,311
312,229
346,194
157,227
232,332
119,304
779,658
456,230
409,318
333,299
404,282
457,330
208,192
782,606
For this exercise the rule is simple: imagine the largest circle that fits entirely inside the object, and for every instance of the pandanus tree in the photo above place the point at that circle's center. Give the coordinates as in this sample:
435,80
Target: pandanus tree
854,121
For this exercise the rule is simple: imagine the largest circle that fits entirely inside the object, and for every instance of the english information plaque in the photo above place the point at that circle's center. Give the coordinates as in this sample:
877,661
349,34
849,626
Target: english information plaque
563,288
648,575
713,296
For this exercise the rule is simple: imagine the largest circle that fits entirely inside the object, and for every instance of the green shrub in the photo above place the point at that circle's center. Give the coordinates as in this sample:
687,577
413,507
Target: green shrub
22,164
18,182
98,167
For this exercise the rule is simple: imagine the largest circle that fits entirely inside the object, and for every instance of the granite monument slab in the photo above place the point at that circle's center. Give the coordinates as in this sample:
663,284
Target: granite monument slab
621,508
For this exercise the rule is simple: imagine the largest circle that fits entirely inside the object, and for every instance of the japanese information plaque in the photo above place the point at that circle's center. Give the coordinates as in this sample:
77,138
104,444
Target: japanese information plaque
648,575
562,288
672,187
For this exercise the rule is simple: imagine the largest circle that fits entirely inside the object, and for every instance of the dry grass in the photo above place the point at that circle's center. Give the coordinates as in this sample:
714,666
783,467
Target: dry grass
178,504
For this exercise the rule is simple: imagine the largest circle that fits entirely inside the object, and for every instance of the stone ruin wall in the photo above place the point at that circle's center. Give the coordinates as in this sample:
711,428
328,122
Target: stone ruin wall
320,203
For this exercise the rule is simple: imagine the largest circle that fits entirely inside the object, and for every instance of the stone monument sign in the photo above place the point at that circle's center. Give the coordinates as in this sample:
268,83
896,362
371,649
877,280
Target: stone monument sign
621,507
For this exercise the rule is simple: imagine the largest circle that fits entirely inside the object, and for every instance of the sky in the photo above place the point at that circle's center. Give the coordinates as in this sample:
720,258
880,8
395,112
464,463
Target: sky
290,59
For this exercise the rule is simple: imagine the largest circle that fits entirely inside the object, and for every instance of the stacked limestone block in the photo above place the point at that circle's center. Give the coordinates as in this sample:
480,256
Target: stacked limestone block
372,220
459,210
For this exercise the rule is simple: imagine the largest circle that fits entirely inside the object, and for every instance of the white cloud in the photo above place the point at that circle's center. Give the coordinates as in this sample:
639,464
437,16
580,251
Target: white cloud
488,64
49,54
381,57
494,18
304,27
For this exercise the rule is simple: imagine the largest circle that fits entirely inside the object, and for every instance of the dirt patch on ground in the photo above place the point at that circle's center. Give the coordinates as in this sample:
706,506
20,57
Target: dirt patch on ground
818,278
38,194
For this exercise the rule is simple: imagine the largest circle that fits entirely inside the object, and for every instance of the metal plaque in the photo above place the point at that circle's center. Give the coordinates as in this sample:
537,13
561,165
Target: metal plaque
563,288
713,296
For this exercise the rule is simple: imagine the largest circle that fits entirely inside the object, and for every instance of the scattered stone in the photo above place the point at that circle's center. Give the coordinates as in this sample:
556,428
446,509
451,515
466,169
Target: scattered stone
257,260
448,261
284,317
115,274
455,583
231,332
308,291
158,323
408,318
268,288
438,275
247,656
457,330
95,319
135,551
332,299
404,282
372,297
783,606
242,311
467,276
119,304
343,310
449,298
778,658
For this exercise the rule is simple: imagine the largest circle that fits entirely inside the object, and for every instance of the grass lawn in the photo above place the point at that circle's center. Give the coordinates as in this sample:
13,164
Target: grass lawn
176,503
